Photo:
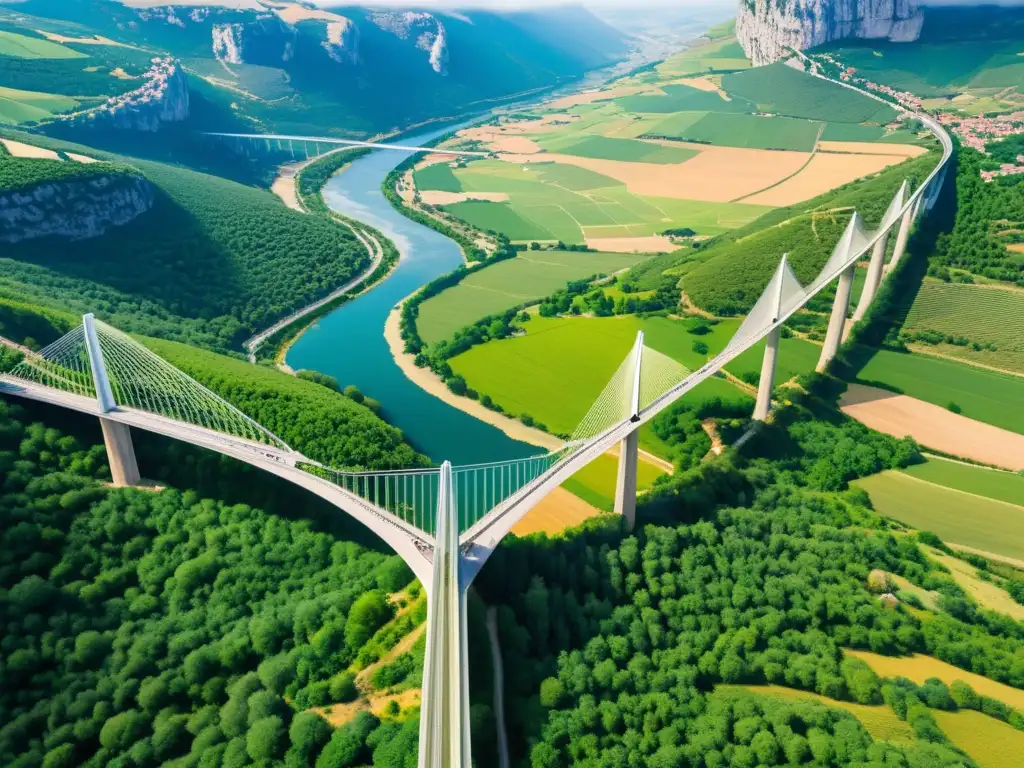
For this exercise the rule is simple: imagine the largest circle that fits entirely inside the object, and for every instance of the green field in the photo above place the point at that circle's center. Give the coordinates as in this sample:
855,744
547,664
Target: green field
747,131
604,148
720,56
987,396
956,517
489,291
796,356
682,98
779,89
595,483
993,484
852,132
959,49
500,217
550,201
24,47
557,370
28,106
438,176
982,314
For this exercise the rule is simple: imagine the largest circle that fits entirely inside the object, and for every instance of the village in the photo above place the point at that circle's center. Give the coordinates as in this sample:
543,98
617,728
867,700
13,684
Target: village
972,131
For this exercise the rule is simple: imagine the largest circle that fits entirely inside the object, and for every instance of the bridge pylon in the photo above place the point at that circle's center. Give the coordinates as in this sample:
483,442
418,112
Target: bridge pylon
444,711
117,437
629,449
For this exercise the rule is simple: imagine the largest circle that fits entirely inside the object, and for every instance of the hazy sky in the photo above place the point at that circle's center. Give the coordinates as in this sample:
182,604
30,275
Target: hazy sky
674,4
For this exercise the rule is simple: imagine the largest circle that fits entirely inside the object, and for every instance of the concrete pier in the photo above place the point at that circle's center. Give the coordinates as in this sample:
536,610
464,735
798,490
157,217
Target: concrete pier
625,484
837,322
903,235
124,469
873,280
764,387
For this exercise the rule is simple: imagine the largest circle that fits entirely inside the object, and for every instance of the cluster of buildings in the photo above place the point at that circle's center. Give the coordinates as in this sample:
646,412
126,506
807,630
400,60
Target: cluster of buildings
973,132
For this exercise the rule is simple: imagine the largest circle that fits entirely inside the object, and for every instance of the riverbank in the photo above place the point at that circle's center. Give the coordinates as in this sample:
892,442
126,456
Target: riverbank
431,383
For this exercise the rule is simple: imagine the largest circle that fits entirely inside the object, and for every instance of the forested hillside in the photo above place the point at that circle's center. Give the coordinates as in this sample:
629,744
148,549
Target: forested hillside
754,568
989,218
211,263
144,628
315,418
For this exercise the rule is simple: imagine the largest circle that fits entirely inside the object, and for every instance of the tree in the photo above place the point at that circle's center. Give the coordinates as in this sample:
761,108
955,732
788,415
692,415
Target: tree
264,741
123,730
368,613
308,734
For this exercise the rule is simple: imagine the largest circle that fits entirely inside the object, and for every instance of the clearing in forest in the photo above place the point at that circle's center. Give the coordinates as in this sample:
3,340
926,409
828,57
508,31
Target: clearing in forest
556,512
954,516
988,594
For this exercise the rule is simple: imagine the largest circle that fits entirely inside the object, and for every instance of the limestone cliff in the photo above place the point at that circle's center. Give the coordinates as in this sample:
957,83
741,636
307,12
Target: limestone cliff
767,28
162,98
76,208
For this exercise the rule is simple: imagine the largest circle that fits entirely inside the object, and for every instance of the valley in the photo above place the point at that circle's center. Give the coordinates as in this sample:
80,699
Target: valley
773,567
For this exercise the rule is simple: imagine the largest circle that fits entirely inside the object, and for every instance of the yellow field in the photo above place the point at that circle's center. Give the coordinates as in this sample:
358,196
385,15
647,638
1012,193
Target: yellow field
919,668
715,174
557,511
992,743
871,148
987,595
824,172
879,721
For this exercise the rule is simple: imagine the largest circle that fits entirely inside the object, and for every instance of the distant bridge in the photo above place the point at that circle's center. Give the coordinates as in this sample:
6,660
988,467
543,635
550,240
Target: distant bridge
446,521
278,141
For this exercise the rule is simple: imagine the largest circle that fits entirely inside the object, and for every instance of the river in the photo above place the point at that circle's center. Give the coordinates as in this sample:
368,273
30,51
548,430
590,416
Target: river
349,343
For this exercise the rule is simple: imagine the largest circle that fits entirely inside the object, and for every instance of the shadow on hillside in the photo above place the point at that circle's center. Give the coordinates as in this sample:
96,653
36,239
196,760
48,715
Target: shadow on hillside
165,256
889,312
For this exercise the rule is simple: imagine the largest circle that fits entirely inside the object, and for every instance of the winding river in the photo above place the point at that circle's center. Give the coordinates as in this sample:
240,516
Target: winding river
349,343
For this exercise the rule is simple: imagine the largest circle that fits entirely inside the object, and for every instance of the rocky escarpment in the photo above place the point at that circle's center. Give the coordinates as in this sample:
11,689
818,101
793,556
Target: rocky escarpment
425,31
162,98
768,28
77,208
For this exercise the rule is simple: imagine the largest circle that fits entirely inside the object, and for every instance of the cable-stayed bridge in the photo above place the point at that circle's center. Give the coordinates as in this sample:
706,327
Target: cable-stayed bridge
446,521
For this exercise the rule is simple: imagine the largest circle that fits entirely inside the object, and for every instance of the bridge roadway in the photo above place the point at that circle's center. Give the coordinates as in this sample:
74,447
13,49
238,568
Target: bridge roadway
479,541
413,545
348,143
445,572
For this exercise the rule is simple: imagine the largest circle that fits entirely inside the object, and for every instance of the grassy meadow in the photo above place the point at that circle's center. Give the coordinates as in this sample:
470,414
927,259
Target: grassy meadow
955,516
595,483
556,371
991,483
964,60
988,396
496,288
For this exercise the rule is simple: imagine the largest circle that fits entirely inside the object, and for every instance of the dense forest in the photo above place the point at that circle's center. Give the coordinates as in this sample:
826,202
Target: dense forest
749,569
987,215
211,263
145,628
